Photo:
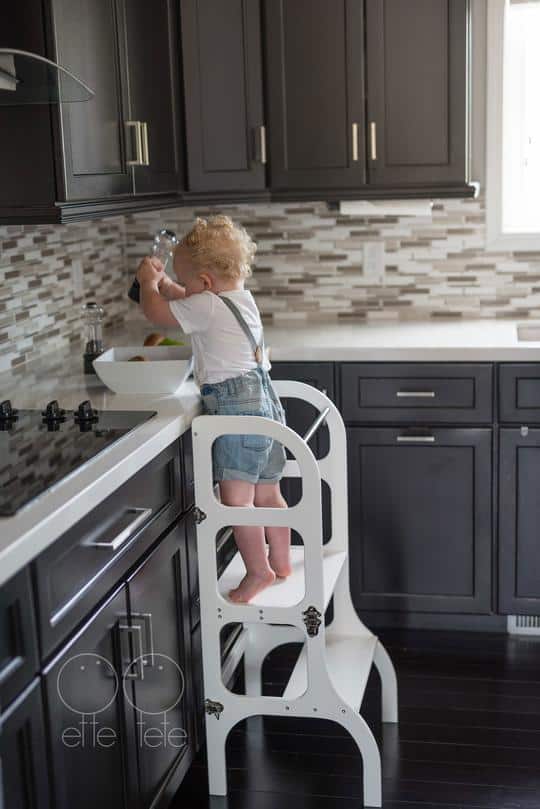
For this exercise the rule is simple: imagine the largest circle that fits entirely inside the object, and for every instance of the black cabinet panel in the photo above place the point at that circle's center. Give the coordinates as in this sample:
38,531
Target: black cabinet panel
74,573
19,658
519,392
24,783
85,701
152,36
221,45
314,65
519,518
417,91
158,600
88,43
417,392
420,537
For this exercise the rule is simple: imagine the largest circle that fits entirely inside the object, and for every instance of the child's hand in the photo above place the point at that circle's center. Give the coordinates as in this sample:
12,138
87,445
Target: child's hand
150,269
170,289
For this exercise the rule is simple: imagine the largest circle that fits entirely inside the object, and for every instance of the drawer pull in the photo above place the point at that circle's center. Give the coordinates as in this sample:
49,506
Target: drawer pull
415,394
136,664
416,439
140,516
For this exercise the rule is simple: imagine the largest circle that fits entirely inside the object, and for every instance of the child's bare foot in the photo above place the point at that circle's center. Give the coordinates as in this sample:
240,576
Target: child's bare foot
281,569
251,585
279,557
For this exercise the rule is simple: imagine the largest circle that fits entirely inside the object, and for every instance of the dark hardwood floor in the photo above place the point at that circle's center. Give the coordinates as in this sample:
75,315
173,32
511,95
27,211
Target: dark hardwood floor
468,737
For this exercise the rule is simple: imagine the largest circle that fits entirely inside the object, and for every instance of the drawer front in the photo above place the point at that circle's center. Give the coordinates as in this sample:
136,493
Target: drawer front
416,392
83,565
519,392
19,659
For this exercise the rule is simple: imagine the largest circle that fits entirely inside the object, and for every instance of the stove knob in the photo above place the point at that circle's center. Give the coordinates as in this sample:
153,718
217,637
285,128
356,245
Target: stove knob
85,412
53,412
7,412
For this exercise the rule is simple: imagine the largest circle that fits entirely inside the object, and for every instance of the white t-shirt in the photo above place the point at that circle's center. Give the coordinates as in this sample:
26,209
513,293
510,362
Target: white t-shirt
220,347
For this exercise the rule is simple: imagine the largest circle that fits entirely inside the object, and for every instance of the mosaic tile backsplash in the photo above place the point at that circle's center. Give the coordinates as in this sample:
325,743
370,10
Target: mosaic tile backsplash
309,266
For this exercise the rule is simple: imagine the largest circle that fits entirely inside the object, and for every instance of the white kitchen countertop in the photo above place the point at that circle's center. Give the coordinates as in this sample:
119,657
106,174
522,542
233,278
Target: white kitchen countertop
43,520
59,376
405,341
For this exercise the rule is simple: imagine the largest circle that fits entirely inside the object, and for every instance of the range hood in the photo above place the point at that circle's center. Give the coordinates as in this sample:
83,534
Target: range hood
27,78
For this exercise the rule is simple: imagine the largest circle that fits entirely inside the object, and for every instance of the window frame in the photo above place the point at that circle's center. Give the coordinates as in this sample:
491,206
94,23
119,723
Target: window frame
496,238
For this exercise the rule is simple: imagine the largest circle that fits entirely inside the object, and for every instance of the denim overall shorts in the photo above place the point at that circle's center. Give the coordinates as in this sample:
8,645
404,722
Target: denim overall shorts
253,458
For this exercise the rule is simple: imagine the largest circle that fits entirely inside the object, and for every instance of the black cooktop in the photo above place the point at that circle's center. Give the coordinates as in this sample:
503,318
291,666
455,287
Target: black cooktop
38,448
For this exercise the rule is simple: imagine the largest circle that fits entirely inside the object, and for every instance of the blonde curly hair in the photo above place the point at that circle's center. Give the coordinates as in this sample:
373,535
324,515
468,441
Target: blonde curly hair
217,244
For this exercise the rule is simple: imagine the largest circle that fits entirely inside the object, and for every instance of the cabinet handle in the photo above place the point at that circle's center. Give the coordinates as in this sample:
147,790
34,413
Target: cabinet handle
416,439
262,141
141,515
148,634
415,394
138,144
373,140
134,675
145,152
355,142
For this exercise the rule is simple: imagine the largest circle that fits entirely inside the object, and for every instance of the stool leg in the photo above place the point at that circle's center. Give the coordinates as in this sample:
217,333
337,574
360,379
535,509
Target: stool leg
371,757
216,738
387,674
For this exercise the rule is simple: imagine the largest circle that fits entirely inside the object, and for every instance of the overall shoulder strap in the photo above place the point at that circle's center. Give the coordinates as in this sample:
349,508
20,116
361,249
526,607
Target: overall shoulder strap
258,349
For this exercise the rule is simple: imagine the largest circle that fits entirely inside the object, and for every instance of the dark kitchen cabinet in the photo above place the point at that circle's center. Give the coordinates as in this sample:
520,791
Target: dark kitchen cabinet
125,139
519,518
153,61
420,519
24,782
416,82
159,607
95,139
315,94
92,764
19,658
223,90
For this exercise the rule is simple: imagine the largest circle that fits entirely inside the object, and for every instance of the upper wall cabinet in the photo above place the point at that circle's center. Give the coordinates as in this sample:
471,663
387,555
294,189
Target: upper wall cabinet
221,45
315,93
118,151
124,140
416,77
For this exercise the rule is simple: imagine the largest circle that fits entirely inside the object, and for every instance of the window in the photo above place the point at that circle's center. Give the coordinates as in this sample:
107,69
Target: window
513,124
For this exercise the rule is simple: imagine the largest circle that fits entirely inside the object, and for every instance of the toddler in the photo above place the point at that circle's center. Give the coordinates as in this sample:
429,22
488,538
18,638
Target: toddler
231,369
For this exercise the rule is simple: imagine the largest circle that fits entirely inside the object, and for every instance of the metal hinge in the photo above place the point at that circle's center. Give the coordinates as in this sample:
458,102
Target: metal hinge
312,620
212,707
198,515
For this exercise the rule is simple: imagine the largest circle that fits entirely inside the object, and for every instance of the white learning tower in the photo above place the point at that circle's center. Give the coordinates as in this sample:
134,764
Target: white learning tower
330,676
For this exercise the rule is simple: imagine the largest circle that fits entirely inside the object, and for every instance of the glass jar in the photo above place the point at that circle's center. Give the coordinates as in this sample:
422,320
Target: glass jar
93,315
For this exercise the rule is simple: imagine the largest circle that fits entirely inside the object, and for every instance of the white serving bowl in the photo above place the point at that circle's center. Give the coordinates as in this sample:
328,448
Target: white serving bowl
165,370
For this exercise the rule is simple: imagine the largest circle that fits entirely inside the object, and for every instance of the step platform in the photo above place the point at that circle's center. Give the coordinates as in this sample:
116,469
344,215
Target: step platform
348,658
284,592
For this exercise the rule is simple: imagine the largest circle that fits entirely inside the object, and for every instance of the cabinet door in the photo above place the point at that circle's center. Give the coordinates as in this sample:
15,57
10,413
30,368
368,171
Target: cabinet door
416,91
159,605
153,65
19,658
420,530
24,780
314,61
93,133
300,416
92,765
221,45
519,518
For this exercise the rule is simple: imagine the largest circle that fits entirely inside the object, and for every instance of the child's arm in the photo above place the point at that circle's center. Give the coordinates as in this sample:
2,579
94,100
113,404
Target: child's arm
170,290
155,307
